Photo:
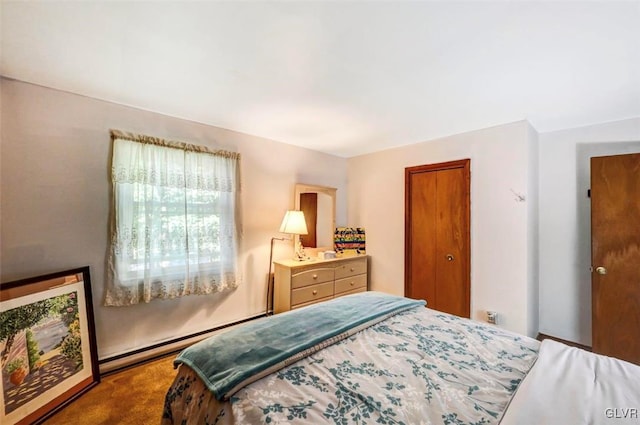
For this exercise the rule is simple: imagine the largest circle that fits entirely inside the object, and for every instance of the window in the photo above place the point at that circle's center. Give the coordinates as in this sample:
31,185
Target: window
174,227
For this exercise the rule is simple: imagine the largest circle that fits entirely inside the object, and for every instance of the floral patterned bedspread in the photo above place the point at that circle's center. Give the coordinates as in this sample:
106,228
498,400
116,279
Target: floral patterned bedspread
417,367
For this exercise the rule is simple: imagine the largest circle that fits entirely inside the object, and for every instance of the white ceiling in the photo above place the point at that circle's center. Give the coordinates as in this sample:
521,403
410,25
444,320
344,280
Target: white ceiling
340,77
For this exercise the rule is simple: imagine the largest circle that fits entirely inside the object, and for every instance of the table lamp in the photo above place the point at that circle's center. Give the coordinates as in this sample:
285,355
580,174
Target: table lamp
294,223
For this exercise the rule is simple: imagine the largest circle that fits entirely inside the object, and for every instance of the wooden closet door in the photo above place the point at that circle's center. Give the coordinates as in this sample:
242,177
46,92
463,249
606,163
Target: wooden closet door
615,251
421,251
437,249
452,271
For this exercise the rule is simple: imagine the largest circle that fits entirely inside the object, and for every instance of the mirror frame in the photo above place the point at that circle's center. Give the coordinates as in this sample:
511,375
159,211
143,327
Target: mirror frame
331,192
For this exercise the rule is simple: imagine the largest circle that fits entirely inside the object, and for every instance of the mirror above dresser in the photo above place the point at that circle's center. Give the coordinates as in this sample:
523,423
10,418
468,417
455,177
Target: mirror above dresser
319,206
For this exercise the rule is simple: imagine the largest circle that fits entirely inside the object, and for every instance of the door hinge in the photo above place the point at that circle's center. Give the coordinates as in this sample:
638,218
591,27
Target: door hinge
588,193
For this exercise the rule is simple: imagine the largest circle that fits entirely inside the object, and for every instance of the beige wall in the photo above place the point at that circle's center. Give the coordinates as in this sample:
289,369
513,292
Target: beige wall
54,205
54,189
503,234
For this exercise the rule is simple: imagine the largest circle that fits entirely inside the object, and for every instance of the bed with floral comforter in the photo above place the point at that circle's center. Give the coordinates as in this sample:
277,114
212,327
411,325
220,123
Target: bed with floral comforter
413,366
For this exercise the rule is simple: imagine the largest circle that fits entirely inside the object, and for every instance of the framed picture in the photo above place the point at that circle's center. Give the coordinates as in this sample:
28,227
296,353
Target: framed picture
47,344
349,241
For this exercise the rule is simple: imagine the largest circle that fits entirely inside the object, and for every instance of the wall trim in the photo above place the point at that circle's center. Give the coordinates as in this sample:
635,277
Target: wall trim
142,355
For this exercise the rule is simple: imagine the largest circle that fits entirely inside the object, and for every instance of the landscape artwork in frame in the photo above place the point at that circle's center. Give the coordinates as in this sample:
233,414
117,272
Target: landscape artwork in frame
48,349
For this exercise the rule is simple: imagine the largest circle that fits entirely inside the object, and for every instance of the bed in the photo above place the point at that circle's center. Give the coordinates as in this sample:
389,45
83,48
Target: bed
374,358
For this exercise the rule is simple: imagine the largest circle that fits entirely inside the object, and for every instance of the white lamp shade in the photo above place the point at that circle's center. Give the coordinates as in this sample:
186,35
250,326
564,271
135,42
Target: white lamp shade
294,223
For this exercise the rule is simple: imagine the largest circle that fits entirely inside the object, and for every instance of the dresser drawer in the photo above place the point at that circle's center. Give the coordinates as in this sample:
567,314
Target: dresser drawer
355,291
301,283
311,293
311,277
351,268
351,283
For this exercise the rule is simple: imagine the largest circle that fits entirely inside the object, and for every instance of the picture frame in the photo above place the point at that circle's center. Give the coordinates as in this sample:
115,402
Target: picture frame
349,241
48,353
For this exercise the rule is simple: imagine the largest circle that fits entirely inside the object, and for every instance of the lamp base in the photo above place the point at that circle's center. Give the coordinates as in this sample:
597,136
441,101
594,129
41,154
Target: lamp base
300,254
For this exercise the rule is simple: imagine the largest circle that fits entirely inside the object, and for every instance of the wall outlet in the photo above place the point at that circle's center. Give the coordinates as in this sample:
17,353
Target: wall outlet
492,317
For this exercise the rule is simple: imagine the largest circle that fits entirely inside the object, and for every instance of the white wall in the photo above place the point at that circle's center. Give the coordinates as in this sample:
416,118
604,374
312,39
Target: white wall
502,227
54,191
565,226
533,239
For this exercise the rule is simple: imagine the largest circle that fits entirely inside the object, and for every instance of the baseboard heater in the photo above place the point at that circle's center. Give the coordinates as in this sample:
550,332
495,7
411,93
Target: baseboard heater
135,357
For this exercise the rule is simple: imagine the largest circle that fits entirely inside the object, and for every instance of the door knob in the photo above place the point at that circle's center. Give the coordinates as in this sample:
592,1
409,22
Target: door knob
601,270
449,257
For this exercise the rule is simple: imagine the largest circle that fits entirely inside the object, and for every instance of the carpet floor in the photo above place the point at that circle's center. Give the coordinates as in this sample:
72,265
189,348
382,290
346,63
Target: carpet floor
134,396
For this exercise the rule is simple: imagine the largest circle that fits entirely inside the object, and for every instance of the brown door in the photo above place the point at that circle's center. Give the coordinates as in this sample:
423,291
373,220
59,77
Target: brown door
615,255
437,249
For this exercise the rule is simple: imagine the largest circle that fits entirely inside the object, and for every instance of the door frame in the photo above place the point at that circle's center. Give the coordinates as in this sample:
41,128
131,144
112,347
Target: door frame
465,164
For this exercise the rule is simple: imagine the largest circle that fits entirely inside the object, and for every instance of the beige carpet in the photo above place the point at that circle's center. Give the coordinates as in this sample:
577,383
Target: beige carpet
133,396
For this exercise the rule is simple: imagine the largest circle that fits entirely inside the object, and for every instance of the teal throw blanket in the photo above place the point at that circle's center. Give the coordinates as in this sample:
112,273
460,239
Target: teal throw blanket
235,358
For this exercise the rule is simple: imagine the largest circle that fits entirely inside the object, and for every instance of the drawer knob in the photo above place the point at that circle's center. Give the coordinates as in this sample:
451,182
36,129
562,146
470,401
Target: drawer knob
315,276
315,292
352,283
352,269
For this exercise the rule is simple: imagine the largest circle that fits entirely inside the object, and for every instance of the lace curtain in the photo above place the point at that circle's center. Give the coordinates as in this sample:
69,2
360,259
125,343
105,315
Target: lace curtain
174,226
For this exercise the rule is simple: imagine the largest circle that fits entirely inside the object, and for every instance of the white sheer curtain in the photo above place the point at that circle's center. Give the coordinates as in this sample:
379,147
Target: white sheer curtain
174,226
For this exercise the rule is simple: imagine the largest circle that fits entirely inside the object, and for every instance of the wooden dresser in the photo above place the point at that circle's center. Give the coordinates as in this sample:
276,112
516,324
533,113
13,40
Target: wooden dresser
300,283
